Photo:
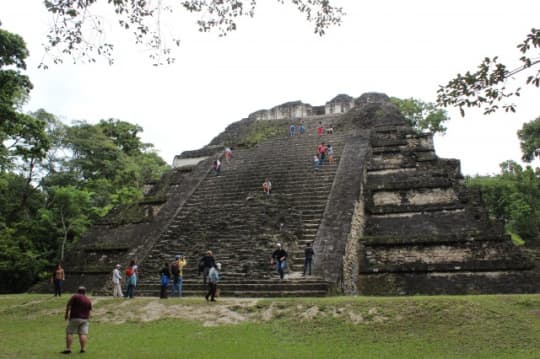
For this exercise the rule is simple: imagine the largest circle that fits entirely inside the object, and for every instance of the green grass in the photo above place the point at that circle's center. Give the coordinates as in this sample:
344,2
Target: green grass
502,326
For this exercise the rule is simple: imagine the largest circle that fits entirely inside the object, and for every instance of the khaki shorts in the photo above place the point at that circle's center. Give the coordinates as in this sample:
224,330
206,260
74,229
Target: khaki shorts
77,326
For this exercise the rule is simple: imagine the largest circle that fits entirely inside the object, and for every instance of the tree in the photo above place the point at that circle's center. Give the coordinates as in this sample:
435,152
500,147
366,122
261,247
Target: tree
14,86
22,249
513,197
69,210
124,135
488,86
57,180
75,25
21,136
23,141
111,150
423,116
529,137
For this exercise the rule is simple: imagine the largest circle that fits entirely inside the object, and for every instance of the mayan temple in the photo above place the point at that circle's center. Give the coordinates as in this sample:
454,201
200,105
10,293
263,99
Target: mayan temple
389,218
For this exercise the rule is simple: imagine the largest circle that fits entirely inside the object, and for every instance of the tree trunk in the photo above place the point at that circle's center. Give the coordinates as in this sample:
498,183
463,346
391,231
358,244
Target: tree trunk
64,240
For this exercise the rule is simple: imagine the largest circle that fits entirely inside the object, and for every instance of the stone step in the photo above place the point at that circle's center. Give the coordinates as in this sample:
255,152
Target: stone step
238,293
263,288
309,190
293,279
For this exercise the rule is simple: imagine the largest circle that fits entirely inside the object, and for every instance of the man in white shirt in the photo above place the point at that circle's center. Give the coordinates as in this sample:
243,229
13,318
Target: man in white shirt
116,278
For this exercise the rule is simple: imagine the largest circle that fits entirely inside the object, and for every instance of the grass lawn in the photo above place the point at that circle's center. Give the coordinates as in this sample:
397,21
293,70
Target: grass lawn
495,326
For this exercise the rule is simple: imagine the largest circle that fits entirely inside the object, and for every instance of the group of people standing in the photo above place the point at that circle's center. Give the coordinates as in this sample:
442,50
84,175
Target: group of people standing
300,129
174,273
279,260
131,275
324,152
170,275
294,129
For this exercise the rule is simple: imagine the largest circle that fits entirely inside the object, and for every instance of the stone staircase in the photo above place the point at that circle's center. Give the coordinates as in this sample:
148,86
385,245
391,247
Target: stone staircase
230,215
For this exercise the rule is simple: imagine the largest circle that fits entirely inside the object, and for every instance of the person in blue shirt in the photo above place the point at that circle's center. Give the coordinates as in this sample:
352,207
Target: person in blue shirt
292,129
213,279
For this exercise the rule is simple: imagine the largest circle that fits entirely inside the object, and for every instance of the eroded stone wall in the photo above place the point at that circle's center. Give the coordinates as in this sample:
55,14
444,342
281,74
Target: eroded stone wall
337,223
425,232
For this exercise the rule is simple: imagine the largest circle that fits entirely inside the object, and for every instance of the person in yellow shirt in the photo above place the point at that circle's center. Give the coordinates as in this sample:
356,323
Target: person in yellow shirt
177,268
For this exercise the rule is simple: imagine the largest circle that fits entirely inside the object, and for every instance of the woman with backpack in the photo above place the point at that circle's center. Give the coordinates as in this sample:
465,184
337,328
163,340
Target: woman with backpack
131,278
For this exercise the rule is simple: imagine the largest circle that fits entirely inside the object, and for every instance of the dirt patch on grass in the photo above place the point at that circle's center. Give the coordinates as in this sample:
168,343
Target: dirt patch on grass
226,311
230,311
145,310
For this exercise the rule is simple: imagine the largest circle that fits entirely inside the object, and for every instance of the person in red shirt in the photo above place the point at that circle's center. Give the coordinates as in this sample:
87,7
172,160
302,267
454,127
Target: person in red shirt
321,152
78,312
320,129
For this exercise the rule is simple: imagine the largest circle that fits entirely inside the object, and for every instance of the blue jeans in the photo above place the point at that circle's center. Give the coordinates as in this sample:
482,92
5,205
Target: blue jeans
280,266
307,266
321,159
177,287
130,291
58,287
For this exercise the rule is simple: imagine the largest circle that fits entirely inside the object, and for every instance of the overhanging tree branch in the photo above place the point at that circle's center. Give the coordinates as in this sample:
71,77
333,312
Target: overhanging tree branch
490,86
73,24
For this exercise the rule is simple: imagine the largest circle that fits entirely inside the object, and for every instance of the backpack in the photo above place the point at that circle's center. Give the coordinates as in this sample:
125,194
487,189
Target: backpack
175,268
129,272
164,280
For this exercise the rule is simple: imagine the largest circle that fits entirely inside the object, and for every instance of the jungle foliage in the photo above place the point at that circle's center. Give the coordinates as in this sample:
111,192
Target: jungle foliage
56,180
422,116
513,196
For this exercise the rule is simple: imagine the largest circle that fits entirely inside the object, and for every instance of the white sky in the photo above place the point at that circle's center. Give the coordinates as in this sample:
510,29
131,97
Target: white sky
402,48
